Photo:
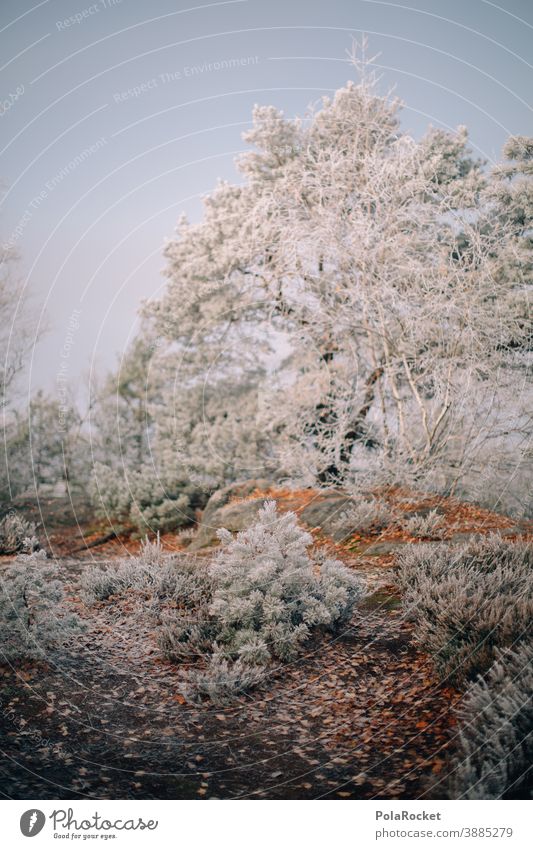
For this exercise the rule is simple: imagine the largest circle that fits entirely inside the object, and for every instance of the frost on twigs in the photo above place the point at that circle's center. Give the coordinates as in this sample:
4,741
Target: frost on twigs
268,595
17,534
468,601
257,601
152,572
31,618
363,516
495,748
428,525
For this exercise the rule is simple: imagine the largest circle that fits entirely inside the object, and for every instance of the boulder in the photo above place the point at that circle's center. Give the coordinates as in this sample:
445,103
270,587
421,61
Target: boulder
224,510
325,510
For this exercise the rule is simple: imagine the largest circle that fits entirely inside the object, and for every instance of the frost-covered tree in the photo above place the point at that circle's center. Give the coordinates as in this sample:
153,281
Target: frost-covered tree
16,337
15,323
136,478
45,447
354,296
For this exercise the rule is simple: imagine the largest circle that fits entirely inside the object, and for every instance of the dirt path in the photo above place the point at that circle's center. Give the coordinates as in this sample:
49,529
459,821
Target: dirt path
360,715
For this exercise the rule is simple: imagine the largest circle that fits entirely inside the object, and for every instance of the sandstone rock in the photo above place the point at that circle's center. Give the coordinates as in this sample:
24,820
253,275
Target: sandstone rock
325,510
223,511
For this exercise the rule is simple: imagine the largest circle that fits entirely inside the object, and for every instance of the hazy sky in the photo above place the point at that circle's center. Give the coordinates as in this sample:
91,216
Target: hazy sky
113,122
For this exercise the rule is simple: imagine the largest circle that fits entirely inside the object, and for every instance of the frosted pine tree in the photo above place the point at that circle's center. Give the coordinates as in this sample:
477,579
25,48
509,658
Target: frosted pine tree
361,261
269,593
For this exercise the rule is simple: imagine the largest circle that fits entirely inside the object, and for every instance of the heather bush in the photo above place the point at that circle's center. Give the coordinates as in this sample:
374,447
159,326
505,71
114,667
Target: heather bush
266,596
31,618
495,753
363,515
429,525
222,680
186,634
258,599
468,600
187,535
136,572
144,498
16,534
151,571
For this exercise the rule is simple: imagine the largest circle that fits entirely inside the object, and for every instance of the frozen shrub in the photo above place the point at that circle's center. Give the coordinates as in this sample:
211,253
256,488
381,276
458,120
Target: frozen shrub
221,680
361,516
265,597
495,751
149,501
186,635
187,535
98,584
16,534
269,593
258,599
468,600
428,525
110,494
31,620
163,576
153,511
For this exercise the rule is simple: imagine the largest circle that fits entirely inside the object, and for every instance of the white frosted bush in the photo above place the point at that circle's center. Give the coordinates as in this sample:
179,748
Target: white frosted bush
495,752
186,634
267,586
31,620
187,535
429,525
468,600
267,595
143,498
363,515
152,571
258,599
17,534
222,680
153,510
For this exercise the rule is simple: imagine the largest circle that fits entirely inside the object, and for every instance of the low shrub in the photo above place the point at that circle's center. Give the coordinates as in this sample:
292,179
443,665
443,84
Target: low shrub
222,680
147,500
187,535
163,576
267,596
468,600
269,593
429,525
16,535
258,599
362,516
31,618
495,753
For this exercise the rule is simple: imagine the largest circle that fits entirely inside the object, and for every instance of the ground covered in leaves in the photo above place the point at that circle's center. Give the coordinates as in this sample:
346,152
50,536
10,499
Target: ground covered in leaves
360,715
